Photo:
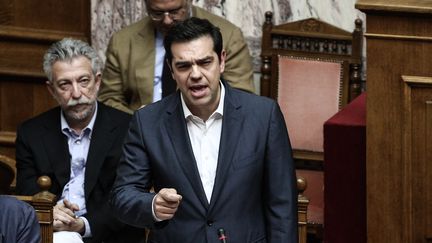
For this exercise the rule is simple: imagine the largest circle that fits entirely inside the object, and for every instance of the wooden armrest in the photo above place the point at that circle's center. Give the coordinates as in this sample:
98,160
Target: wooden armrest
43,202
302,205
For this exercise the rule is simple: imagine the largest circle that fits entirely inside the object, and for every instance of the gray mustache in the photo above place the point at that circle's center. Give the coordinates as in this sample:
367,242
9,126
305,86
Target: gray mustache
81,101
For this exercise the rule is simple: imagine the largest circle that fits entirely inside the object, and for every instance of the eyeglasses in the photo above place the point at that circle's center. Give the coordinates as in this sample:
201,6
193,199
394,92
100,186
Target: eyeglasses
174,14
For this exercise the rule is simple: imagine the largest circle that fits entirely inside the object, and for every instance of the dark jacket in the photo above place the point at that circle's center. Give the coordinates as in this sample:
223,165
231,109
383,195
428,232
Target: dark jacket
42,149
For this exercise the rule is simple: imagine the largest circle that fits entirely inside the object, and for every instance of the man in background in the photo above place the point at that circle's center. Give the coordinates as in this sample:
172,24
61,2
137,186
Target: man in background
135,73
218,158
76,144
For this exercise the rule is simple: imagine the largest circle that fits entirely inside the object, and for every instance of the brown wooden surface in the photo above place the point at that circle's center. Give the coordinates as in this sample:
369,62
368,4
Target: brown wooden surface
43,202
399,51
302,205
405,6
27,29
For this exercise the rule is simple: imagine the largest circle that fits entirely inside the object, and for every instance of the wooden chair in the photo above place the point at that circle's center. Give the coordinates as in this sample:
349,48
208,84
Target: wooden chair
43,202
312,69
302,205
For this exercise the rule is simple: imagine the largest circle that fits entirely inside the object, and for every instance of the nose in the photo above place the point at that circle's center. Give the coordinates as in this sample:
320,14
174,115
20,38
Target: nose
196,72
167,20
76,91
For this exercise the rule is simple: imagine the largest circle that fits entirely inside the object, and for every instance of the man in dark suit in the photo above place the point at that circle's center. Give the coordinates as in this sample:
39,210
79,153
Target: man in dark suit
218,158
18,221
78,145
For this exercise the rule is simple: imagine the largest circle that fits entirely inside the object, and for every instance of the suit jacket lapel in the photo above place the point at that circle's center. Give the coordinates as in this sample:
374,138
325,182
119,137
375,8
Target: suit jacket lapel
177,132
57,148
231,129
101,141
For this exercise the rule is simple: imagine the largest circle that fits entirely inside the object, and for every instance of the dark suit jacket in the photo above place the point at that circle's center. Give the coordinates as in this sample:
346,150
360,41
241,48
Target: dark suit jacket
42,149
18,221
254,197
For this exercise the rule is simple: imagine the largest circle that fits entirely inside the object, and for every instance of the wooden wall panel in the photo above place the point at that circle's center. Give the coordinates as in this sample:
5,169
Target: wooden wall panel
27,29
21,58
62,15
417,129
399,87
428,169
387,194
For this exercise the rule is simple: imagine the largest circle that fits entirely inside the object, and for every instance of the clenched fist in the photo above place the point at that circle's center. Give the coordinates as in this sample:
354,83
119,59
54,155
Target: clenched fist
166,203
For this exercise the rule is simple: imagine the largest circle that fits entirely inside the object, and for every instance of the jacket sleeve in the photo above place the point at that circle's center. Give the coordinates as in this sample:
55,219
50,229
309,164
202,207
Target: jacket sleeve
27,172
280,182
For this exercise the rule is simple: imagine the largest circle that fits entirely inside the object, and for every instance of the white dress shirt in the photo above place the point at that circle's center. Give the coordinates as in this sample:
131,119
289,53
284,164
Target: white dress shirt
159,59
205,139
79,145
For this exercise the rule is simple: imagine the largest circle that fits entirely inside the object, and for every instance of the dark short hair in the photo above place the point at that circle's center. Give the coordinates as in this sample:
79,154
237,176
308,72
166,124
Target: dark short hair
192,29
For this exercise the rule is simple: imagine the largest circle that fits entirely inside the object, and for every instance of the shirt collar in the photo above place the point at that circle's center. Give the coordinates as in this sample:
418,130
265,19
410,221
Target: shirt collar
219,109
66,128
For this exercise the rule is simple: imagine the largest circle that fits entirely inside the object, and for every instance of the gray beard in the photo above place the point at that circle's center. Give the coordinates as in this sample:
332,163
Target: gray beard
77,117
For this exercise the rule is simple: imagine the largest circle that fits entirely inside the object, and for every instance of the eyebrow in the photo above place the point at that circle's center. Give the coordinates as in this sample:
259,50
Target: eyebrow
79,78
161,11
197,61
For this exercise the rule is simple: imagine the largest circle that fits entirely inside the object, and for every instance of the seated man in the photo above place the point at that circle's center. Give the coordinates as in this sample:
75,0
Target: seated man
77,145
18,221
135,72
